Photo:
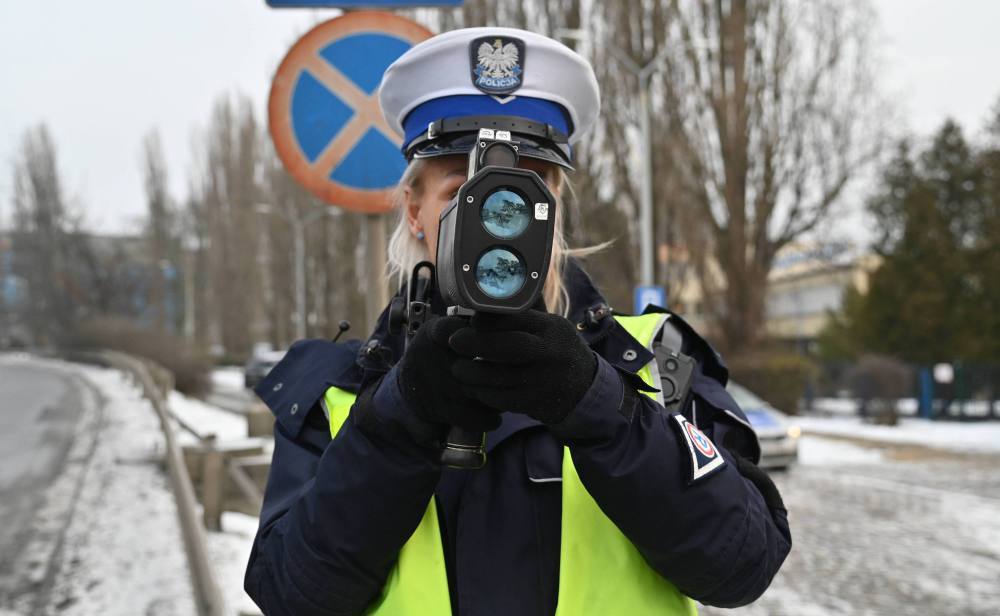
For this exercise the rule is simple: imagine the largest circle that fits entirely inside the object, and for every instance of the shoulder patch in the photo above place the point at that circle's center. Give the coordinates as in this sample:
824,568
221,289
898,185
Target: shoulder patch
705,456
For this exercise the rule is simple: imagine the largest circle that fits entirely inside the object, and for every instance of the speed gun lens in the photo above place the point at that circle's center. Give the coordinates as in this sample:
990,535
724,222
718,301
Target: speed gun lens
500,273
505,214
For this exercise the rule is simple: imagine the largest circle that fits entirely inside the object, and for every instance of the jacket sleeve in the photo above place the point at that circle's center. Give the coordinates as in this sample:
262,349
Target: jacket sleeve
715,537
336,512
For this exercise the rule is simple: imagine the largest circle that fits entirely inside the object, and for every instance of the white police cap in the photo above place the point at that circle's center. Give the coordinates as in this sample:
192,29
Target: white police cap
490,71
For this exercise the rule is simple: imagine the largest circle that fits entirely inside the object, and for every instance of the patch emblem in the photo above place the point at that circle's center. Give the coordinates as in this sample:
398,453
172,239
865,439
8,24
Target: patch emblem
705,456
497,64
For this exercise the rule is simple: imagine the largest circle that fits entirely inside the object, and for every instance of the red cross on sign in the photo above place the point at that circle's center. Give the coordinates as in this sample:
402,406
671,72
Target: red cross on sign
323,112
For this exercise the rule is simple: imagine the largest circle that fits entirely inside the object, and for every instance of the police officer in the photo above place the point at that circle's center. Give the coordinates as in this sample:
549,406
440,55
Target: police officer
596,499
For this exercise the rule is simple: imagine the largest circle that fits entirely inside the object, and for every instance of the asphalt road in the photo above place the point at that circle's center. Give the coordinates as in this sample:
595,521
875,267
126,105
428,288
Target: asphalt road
878,531
88,523
40,407
916,532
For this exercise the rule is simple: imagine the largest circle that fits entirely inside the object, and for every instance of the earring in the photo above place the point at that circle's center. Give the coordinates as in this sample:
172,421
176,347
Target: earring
420,235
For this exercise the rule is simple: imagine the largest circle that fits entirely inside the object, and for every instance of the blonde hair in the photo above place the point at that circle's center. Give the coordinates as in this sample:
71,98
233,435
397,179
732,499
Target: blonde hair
405,250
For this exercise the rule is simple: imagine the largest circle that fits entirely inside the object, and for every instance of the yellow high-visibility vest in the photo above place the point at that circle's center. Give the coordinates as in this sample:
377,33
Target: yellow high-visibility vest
600,572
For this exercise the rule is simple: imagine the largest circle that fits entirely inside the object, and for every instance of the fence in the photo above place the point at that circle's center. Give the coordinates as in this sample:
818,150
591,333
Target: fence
959,391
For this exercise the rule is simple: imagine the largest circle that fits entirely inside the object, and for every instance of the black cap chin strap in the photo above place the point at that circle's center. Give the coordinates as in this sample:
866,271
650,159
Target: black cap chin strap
447,127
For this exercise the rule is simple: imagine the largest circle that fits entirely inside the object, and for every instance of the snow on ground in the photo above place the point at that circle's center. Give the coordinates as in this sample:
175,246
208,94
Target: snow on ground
818,451
205,419
121,552
901,536
958,437
228,377
229,551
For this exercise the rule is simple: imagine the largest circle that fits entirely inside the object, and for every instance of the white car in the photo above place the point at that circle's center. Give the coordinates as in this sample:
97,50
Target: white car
779,438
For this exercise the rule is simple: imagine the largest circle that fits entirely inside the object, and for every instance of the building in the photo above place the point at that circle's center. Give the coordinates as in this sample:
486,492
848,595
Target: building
806,284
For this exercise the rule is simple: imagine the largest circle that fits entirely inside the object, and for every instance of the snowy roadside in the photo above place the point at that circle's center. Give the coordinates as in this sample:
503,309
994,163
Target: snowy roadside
819,451
206,419
229,549
228,378
121,550
957,437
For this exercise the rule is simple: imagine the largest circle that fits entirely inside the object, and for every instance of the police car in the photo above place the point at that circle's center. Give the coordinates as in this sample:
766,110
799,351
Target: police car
779,438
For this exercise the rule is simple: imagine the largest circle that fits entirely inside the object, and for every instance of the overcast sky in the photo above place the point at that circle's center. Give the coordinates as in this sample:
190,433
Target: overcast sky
101,73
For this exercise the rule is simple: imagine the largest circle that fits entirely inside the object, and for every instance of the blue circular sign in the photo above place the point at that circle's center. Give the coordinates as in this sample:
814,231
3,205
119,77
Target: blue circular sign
324,115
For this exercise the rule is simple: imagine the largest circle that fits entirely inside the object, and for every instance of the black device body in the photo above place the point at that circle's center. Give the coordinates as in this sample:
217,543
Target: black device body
493,252
495,238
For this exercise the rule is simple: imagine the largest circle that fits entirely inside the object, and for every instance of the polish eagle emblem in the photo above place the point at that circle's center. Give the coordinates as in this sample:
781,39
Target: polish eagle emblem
497,64
498,60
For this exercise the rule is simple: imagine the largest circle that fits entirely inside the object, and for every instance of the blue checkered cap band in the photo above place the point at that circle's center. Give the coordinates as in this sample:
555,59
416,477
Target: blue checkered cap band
541,79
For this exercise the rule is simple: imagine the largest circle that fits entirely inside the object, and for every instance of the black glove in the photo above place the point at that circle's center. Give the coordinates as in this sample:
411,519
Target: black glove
532,363
426,383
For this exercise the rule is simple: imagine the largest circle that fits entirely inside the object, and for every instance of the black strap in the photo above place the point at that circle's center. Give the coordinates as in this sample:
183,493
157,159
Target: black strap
447,127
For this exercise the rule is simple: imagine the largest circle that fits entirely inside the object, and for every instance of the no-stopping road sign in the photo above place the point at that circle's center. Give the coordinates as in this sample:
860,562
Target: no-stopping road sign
324,115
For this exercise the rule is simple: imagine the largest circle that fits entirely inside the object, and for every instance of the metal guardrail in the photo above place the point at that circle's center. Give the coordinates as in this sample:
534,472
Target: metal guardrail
208,594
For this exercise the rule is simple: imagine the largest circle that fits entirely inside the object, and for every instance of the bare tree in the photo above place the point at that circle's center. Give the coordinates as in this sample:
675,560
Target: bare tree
161,231
222,208
764,112
43,225
775,110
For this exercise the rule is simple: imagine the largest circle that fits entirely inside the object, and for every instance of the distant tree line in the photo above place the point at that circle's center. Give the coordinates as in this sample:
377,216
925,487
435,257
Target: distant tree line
215,268
936,296
762,114
62,274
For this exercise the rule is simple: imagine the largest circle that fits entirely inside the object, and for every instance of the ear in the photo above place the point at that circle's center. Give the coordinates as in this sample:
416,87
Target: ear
412,210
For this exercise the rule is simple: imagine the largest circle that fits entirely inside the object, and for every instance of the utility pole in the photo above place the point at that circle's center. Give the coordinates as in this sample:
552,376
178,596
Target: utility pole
377,295
190,247
643,75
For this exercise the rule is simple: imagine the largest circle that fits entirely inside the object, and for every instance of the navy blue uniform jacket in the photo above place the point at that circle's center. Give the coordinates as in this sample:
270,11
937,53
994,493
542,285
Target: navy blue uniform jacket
337,511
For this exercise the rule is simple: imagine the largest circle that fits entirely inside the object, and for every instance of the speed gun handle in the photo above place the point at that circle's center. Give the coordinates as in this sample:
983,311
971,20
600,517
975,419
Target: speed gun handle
464,449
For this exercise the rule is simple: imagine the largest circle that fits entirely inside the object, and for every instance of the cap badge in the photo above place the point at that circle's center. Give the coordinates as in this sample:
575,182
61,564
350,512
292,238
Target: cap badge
497,64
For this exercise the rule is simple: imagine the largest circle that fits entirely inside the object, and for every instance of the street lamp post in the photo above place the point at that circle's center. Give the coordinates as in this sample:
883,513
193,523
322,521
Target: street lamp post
189,247
298,225
643,75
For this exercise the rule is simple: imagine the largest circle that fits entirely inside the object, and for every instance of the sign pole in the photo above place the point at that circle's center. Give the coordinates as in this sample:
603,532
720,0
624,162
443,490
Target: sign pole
329,131
377,296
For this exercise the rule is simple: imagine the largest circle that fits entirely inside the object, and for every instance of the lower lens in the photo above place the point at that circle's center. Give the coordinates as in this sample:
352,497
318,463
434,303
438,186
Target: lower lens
505,214
500,273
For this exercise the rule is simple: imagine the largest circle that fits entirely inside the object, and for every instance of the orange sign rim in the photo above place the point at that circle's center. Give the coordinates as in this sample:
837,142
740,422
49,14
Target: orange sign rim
279,104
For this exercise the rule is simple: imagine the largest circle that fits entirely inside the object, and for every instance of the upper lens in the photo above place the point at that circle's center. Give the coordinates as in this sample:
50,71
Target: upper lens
505,214
500,273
